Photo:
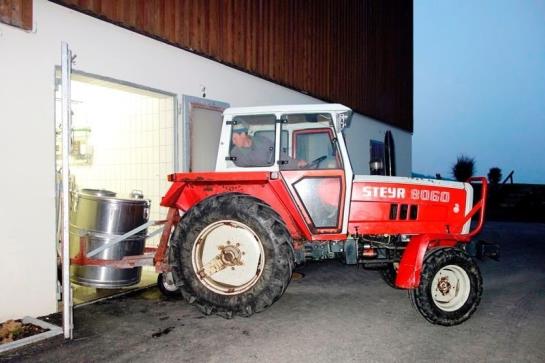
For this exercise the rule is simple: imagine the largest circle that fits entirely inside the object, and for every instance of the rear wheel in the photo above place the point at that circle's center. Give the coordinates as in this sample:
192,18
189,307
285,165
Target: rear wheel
450,287
231,255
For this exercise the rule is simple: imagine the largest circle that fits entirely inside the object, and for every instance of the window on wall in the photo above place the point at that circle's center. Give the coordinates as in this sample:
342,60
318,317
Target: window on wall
376,157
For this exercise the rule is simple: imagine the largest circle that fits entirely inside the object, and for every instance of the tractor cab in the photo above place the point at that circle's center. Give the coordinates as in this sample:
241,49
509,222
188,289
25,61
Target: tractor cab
283,138
302,144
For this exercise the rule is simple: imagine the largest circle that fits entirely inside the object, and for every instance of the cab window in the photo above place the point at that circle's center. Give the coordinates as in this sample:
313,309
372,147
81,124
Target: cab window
313,144
252,140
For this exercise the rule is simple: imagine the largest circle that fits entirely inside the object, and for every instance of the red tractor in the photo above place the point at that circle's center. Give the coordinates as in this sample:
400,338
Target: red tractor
284,192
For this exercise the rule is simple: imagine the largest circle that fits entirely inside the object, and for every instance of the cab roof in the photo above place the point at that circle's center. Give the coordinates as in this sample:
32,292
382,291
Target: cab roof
318,107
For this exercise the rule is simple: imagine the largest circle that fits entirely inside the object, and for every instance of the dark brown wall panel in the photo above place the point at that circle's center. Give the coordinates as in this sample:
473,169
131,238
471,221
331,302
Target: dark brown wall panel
17,13
355,52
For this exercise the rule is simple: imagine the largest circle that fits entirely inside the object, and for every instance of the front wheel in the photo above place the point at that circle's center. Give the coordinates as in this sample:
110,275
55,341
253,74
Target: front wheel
450,287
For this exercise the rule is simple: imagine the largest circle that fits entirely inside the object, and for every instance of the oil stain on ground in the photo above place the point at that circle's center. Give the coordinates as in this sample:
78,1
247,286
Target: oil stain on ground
162,332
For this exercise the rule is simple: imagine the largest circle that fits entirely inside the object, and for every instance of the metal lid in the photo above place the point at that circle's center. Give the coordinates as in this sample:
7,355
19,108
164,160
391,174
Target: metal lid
98,192
114,200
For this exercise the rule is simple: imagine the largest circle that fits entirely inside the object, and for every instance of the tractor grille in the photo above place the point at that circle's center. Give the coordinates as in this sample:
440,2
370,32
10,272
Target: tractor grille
406,212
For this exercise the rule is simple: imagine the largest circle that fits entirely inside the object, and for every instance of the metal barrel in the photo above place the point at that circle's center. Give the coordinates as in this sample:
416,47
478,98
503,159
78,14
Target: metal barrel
102,219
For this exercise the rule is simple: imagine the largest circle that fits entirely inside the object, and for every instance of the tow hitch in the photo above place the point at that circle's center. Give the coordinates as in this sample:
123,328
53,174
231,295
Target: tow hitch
482,249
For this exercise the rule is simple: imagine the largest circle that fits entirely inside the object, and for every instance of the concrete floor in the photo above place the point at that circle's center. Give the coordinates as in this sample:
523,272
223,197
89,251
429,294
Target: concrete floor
335,313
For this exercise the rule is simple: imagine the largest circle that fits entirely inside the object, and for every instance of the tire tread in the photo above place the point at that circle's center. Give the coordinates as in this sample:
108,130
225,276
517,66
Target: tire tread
421,296
238,206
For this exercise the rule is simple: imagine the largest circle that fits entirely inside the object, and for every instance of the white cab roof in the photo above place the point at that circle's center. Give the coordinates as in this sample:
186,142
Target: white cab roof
318,107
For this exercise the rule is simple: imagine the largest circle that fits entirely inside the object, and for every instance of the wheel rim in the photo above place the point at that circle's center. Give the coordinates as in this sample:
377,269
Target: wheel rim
168,282
228,257
450,288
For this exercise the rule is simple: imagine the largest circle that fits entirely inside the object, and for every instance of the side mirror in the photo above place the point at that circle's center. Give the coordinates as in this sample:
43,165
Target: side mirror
376,167
343,120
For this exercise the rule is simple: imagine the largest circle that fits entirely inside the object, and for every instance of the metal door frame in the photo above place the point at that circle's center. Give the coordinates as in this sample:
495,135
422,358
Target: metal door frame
66,70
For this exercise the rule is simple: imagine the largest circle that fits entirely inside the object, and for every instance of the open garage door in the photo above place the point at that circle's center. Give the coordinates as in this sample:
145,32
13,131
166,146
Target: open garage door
115,139
202,129
65,126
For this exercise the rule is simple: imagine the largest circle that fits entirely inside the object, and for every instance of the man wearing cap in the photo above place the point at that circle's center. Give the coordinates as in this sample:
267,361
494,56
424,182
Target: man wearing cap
257,150
251,151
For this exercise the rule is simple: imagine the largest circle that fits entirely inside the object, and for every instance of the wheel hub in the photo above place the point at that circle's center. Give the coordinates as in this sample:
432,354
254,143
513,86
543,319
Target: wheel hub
450,288
228,257
231,255
444,285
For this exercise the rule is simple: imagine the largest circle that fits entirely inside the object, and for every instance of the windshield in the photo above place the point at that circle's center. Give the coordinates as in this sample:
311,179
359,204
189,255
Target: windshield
308,142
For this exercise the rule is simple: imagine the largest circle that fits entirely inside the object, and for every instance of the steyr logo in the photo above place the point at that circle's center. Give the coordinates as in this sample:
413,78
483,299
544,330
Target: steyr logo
384,192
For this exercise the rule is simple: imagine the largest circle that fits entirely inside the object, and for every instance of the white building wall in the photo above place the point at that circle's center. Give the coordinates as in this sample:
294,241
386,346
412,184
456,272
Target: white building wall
362,130
27,146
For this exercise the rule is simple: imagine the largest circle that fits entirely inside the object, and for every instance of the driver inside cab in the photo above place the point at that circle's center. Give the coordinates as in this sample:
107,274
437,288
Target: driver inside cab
257,150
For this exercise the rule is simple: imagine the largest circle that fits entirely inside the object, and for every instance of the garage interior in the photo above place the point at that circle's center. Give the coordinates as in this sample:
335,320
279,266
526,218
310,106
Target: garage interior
123,142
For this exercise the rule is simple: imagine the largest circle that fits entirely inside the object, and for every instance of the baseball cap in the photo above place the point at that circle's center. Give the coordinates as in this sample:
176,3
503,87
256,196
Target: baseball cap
240,126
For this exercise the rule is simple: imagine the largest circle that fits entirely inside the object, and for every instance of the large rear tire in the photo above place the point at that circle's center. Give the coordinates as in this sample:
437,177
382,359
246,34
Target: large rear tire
450,287
231,255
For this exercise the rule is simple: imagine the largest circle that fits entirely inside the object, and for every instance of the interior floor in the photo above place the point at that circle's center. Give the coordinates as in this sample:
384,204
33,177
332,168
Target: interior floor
85,294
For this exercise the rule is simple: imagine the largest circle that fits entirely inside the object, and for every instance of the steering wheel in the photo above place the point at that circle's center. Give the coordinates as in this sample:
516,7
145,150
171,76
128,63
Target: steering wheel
314,164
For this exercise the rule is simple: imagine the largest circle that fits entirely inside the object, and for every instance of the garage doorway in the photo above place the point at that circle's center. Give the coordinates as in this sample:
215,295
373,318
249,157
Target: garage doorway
202,129
123,139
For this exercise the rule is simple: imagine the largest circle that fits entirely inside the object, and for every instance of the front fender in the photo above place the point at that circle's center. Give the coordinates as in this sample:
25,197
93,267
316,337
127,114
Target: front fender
173,194
410,266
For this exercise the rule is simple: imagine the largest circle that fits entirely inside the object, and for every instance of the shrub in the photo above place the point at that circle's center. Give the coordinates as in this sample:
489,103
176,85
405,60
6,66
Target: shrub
464,168
494,175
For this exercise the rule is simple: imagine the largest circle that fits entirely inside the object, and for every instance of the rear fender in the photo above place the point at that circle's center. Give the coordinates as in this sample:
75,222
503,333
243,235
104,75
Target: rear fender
410,266
189,189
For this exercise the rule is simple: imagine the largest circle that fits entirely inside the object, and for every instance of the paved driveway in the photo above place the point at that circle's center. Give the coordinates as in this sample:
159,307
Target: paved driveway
336,313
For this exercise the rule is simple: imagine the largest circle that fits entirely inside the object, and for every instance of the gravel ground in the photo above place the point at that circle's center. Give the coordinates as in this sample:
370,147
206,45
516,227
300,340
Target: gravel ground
335,313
